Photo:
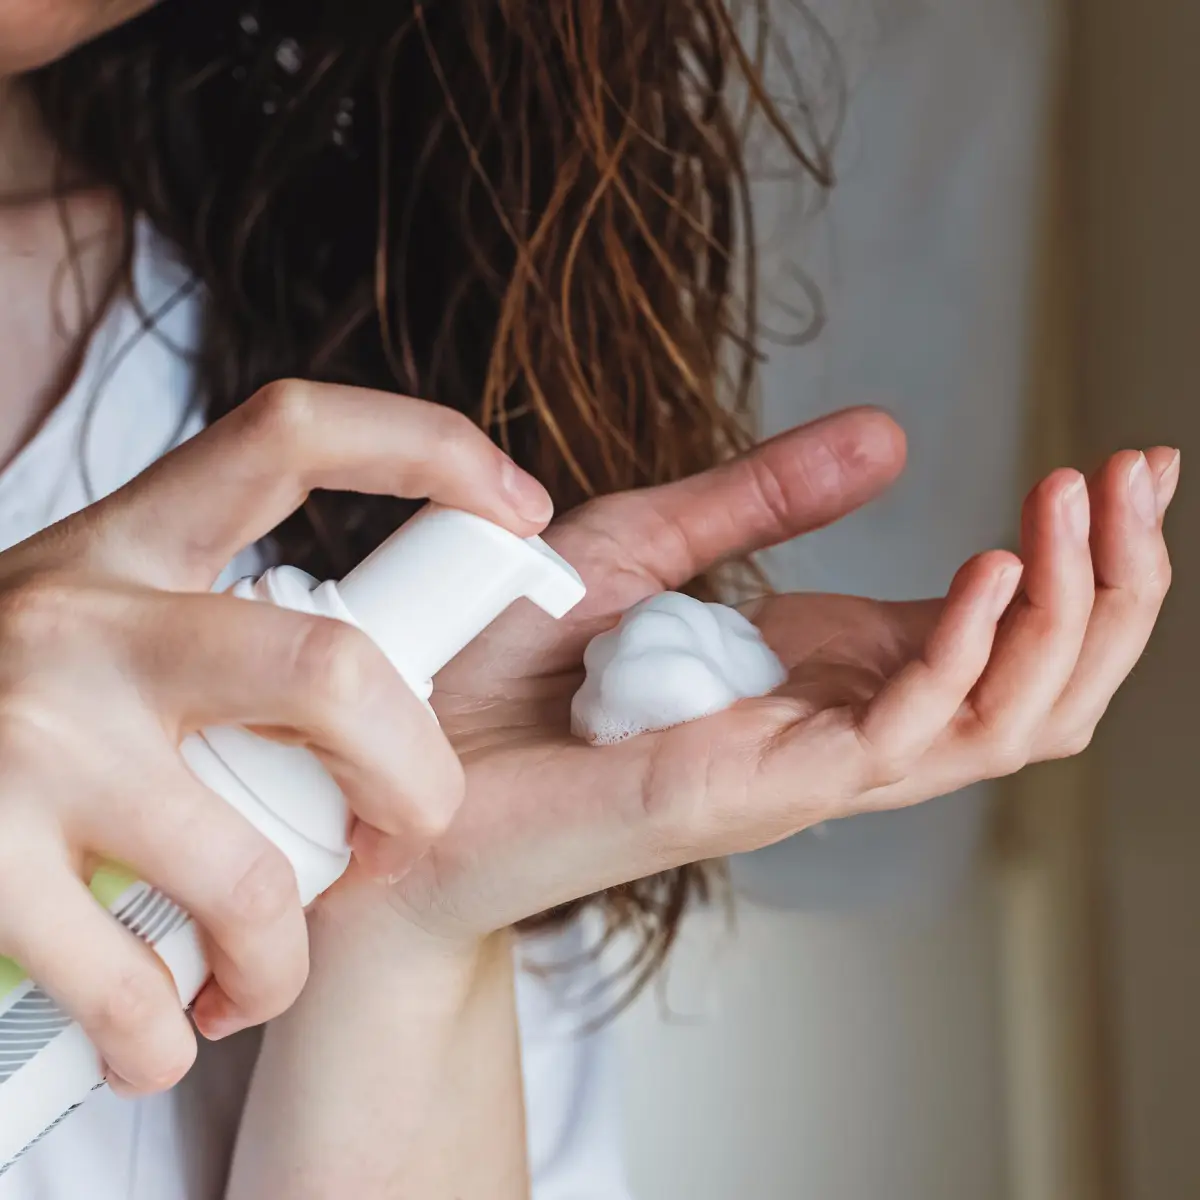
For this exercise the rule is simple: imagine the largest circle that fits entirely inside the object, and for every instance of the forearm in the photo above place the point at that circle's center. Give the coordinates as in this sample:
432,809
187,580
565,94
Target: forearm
396,1076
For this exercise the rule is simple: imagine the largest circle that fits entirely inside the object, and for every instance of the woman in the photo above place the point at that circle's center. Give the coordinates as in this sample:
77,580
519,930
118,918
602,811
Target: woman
525,213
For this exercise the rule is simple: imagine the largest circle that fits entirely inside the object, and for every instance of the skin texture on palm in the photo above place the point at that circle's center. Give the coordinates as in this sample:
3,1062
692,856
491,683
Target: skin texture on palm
886,704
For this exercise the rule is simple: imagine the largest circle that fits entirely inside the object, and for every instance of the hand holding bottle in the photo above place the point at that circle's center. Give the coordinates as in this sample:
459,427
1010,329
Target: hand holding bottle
112,651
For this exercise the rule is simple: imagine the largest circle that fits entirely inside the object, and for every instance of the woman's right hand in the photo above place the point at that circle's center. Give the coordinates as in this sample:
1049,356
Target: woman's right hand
113,650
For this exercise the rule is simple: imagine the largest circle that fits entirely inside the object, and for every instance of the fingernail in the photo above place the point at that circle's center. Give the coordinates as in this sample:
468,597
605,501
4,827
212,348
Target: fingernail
1141,491
529,498
1004,589
1168,481
1075,508
214,1022
217,1028
379,855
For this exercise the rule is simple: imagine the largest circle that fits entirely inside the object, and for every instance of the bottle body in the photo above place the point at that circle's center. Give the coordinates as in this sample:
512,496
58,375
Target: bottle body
48,1068
47,1065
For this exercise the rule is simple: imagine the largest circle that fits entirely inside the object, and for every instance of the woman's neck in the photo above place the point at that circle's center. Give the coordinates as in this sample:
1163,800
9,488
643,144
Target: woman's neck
28,159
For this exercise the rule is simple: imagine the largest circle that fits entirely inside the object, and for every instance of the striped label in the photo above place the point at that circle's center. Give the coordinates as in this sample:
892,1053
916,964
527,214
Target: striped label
28,1027
30,1020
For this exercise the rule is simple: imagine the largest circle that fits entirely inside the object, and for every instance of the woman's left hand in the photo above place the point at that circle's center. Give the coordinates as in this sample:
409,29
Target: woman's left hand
886,704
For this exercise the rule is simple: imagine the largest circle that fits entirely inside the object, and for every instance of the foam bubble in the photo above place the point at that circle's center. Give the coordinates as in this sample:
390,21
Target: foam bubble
670,660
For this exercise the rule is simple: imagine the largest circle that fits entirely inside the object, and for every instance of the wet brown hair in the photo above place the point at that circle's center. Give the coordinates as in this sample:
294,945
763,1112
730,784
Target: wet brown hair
536,211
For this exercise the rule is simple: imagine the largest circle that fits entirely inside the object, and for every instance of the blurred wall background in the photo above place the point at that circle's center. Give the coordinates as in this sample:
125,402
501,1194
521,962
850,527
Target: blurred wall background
1009,262
1138,193
847,1042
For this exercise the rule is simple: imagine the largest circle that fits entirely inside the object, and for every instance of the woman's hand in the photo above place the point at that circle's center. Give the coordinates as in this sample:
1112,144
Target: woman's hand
886,705
112,651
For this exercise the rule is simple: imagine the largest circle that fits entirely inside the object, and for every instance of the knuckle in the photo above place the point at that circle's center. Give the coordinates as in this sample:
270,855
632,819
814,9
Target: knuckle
887,770
135,1000
456,429
1006,757
338,666
459,441
1050,624
1069,742
885,758
284,411
1126,604
825,468
1142,595
1076,744
771,496
265,891
666,549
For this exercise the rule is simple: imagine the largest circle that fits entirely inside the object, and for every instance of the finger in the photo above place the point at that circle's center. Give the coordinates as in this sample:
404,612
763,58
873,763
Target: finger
1164,465
98,972
311,681
1133,572
1041,638
923,698
234,882
792,484
180,522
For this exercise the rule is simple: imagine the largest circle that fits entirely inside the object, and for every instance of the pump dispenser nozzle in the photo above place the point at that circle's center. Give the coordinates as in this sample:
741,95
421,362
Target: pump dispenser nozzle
429,590
443,578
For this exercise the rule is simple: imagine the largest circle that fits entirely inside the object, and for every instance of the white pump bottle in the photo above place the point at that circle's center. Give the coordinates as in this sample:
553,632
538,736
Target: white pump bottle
427,592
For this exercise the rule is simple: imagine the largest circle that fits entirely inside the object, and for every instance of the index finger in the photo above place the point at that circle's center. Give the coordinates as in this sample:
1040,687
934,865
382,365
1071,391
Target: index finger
181,521
791,484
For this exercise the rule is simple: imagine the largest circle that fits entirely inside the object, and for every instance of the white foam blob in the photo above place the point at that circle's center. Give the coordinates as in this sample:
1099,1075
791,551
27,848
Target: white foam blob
671,659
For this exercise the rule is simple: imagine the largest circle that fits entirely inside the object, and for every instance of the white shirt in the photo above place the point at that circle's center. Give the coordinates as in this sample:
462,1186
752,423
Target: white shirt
133,399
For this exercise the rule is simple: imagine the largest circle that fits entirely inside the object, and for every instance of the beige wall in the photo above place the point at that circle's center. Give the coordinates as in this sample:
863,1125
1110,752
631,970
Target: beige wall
844,1058
828,1056
1139,150
821,1058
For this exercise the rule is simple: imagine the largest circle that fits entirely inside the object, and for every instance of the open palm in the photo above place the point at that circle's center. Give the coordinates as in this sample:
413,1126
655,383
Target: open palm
885,705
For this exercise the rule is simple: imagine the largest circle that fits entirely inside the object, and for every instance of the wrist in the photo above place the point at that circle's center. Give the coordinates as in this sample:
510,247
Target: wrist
356,922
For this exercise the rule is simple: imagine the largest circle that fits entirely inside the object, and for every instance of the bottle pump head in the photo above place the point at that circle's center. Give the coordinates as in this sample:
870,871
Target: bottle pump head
441,579
431,588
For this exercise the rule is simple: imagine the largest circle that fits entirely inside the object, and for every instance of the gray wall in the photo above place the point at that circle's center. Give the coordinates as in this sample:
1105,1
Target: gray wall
856,1056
